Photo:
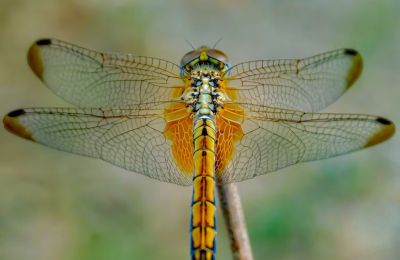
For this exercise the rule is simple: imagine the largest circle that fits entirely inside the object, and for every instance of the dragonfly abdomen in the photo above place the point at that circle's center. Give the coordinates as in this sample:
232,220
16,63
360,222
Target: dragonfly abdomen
203,224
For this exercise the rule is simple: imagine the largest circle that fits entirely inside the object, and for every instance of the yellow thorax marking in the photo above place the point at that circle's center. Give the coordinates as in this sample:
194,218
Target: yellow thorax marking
203,56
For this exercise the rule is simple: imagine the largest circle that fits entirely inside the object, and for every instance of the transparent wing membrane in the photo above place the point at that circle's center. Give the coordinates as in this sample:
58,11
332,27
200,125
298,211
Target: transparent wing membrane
309,84
87,78
262,126
133,139
276,138
130,138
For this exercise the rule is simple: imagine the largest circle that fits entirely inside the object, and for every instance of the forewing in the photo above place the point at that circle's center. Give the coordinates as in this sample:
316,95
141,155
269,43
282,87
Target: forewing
87,78
275,138
309,84
130,138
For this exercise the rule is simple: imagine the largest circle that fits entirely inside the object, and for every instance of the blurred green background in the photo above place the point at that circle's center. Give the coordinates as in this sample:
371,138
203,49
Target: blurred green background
55,205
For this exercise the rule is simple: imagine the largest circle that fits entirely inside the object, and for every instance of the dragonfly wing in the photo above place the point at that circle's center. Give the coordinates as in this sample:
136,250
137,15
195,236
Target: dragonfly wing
275,138
87,78
130,138
309,84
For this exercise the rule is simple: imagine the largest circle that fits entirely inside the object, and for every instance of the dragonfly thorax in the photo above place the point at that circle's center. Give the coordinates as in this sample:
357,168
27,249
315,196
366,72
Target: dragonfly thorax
204,67
204,96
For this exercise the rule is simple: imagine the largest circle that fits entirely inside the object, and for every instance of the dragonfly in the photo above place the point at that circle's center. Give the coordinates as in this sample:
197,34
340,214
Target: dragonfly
202,122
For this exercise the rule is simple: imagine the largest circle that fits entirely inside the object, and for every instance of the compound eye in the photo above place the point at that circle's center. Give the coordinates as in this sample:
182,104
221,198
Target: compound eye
189,57
218,55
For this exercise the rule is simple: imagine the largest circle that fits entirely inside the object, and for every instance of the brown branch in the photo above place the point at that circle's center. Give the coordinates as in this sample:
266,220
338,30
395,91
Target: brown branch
234,218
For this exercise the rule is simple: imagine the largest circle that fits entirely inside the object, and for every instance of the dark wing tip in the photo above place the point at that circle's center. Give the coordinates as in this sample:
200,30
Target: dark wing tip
43,42
35,57
351,52
384,121
11,123
16,113
356,68
386,131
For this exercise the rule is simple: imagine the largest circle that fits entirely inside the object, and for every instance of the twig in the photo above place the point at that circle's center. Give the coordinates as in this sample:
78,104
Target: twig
234,218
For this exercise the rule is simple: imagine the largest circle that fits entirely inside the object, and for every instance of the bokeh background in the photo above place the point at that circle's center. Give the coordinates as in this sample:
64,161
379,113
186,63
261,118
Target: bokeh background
55,205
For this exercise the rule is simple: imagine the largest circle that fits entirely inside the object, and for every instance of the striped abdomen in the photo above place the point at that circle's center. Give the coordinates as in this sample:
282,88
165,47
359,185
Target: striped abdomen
203,228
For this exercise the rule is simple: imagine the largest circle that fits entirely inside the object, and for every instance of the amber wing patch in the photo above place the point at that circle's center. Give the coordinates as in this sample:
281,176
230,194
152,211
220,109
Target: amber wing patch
229,131
179,130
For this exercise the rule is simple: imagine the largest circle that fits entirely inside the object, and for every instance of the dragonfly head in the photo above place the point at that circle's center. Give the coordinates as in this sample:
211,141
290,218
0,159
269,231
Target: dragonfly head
204,56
